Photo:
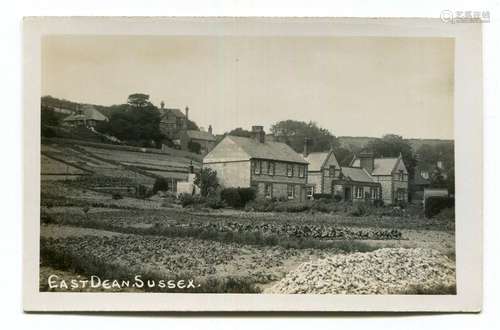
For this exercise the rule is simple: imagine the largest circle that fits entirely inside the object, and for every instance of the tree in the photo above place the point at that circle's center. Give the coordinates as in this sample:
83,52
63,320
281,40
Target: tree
240,132
206,180
392,145
343,155
138,100
139,125
294,133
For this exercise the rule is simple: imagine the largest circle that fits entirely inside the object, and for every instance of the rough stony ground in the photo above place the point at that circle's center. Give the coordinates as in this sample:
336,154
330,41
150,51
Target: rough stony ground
384,271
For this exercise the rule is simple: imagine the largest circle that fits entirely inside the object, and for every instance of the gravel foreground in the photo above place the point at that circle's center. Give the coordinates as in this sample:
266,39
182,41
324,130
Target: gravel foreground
384,271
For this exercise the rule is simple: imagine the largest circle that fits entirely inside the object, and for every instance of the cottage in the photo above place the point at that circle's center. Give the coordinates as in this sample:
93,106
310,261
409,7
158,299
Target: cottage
322,169
206,140
86,116
355,184
391,173
274,169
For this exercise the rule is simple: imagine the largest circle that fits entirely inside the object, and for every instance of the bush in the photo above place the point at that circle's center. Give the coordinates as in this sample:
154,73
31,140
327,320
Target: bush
378,203
186,199
117,196
292,206
260,205
215,203
246,195
142,191
161,184
360,209
434,205
337,198
324,205
238,197
446,214
322,196
231,196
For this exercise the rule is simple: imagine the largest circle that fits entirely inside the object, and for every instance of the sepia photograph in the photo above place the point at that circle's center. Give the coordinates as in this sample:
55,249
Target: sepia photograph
246,163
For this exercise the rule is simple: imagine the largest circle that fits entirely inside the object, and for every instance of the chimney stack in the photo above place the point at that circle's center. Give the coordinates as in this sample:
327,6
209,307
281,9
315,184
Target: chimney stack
210,129
259,134
186,112
162,105
367,161
305,152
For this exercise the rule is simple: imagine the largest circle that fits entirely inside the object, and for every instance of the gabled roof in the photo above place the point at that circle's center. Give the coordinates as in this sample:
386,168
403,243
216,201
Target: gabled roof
317,160
234,148
382,166
87,112
200,135
357,174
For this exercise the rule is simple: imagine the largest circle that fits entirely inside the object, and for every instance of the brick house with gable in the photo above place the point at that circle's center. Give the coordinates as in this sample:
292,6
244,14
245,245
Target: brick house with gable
274,169
391,173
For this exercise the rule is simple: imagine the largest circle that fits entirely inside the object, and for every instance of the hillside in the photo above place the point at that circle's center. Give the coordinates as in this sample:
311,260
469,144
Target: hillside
357,142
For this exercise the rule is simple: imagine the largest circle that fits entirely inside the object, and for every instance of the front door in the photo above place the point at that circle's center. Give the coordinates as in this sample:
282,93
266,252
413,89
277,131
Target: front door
347,193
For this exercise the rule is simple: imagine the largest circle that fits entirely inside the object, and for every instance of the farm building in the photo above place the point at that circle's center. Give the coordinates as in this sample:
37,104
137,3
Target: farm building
274,169
391,173
86,116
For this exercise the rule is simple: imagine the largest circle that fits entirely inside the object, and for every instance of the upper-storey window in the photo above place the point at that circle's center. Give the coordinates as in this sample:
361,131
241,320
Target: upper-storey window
271,167
302,171
257,166
331,171
289,170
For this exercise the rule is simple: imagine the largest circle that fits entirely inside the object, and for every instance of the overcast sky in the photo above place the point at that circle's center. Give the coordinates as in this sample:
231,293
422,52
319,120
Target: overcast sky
356,86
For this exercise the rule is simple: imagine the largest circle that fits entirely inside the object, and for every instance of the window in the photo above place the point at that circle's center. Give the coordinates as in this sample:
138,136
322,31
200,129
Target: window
359,192
257,166
401,175
289,170
268,190
270,168
332,171
374,193
290,190
301,171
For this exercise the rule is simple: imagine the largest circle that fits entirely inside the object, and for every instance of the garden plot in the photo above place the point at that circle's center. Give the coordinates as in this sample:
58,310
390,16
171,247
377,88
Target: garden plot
210,263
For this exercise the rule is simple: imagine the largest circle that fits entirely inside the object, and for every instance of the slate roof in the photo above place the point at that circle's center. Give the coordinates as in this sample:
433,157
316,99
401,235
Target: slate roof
87,112
268,150
383,166
316,160
357,174
200,135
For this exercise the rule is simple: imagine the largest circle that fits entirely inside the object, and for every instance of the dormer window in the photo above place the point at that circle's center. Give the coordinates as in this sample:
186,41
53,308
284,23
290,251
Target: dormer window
331,171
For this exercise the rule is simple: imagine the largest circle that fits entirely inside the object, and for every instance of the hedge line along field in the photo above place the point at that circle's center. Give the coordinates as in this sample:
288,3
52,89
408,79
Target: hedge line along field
215,266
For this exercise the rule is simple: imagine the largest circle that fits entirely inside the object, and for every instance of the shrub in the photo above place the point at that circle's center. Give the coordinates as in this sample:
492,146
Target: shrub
322,196
260,205
186,199
142,191
378,203
246,195
292,206
117,196
434,205
337,198
161,184
446,214
231,196
215,203
360,209
324,205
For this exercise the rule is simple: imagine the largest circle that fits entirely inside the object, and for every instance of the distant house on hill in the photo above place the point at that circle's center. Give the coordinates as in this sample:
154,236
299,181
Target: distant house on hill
86,116
391,173
274,169
206,140
173,121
